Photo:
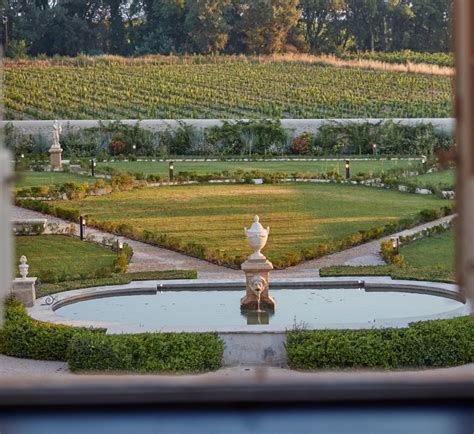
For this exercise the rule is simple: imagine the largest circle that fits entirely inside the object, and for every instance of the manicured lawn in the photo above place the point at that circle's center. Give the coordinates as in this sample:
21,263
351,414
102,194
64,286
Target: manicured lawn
33,179
436,251
431,258
58,255
442,178
300,215
309,167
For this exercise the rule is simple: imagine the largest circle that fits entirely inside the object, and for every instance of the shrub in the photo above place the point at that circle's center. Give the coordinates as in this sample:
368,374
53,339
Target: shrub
156,352
69,214
25,337
302,144
390,255
74,190
424,344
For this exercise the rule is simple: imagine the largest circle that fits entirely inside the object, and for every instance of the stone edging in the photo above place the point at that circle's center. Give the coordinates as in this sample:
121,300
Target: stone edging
43,312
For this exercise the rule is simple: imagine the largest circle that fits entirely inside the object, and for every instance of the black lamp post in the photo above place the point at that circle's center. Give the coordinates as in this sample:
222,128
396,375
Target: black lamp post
82,227
134,147
374,149
119,247
171,170
348,169
93,164
424,160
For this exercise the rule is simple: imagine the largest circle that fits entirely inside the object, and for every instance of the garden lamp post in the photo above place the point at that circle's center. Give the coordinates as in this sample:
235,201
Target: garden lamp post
171,170
93,164
82,227
374,149
134,147
396,245
424,160
119,247
348,169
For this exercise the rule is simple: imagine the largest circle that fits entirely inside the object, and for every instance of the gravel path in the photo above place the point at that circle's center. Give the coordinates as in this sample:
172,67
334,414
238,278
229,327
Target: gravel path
11,367
150,258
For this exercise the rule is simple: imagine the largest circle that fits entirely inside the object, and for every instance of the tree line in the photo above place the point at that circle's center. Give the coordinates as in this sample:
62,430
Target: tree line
139,27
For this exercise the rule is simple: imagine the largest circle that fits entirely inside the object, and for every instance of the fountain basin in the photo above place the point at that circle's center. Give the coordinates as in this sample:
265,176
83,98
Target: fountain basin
201,306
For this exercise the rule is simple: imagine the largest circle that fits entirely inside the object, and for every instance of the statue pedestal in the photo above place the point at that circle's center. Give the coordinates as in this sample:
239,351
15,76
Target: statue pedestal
24,290
55,158
256,279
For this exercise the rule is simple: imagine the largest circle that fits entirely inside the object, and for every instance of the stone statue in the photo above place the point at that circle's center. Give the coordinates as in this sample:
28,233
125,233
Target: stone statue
57,129
55,151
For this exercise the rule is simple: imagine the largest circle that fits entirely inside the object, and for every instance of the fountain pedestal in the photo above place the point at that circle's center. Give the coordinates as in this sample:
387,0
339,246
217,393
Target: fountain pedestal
256,281
257,269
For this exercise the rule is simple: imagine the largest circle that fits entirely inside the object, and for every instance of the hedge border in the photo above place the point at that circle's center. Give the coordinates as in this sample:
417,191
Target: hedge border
425,344
89,349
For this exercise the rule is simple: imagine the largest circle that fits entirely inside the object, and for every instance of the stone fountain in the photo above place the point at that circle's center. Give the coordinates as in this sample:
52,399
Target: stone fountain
257,269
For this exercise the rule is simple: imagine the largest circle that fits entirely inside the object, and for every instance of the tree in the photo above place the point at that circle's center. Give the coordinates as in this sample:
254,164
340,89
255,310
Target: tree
162,30
317,17
116,33
205,25
366,23
266,24
399,18
431,25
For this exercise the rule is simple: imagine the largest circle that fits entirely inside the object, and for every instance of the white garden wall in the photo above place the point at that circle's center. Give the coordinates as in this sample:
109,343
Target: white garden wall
297,125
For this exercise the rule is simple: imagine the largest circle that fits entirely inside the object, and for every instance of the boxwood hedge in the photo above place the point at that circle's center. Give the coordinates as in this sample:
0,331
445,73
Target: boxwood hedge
25,337
423,344
93,350
149,352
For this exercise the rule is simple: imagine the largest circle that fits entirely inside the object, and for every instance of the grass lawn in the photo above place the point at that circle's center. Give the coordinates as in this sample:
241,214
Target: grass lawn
431,258
300,215
443,178
310,167
33,179
58,255
436,251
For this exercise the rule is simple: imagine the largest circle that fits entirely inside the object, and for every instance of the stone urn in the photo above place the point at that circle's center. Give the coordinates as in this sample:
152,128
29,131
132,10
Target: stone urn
23,267
257,237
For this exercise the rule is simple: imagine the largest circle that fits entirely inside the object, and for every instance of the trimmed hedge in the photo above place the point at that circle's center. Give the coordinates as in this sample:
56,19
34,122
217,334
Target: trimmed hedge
93,350
45,208
432,274
25,337
155,352
437,343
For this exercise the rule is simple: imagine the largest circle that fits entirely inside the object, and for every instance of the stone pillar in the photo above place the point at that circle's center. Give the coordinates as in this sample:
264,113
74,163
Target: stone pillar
55,158
24,287
256,281
24,290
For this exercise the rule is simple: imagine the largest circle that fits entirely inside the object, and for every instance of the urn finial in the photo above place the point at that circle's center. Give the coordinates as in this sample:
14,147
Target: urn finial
257,237
23,267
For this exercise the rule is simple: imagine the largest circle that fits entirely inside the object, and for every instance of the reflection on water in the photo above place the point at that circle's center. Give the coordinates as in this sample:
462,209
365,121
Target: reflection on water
257,317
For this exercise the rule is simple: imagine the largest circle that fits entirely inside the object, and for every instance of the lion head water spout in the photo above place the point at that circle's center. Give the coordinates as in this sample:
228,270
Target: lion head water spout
257,269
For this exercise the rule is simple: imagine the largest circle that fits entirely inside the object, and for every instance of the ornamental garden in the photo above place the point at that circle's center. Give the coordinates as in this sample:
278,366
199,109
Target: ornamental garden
132,208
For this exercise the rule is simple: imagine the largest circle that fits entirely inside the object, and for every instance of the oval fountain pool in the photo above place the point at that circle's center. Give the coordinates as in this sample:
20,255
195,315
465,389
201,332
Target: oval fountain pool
219,310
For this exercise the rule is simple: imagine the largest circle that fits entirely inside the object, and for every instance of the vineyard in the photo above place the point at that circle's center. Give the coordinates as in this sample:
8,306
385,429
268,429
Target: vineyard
440,59
229,88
